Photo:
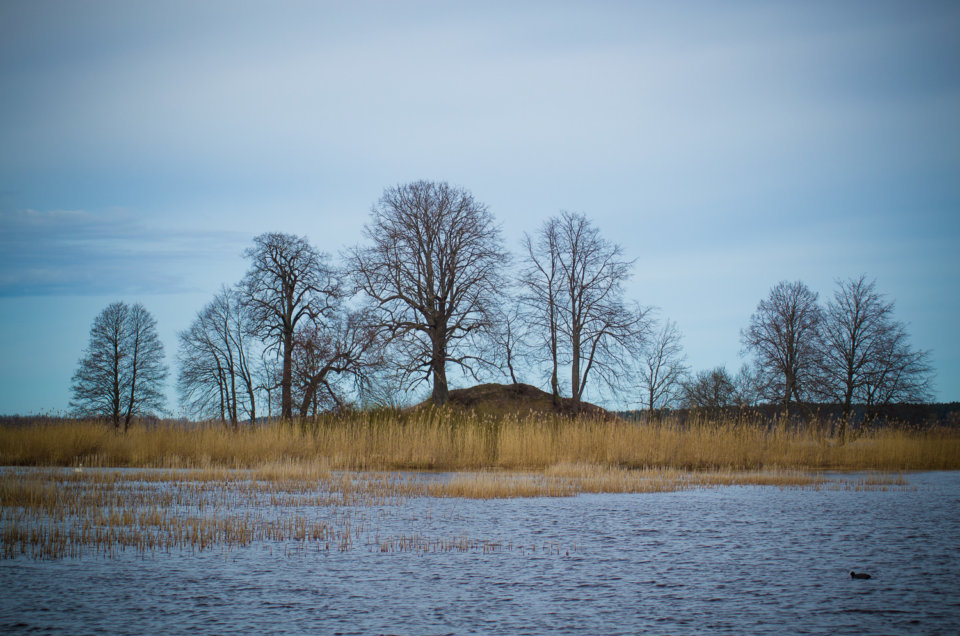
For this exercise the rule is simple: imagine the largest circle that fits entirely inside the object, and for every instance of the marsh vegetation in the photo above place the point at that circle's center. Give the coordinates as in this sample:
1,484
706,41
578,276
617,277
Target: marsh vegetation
296,507
75,488
451,440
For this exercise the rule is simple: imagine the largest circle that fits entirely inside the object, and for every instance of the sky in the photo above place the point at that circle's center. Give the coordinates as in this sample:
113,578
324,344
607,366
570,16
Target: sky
724,146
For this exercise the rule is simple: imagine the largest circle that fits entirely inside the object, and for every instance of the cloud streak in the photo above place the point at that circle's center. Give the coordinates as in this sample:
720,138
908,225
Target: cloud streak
77,252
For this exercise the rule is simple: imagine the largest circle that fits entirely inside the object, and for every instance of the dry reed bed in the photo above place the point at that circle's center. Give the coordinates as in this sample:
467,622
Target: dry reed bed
453,441
293,508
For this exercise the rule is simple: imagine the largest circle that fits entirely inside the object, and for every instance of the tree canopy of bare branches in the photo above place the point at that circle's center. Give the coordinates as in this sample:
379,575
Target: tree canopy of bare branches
433,270
662,367
573,283
784,337
747,387
712,390
509,339
348,346
542,295
121,373
867,357
288,281
216,364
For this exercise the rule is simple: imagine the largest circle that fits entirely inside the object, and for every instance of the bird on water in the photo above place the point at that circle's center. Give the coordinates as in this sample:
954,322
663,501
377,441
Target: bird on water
859,575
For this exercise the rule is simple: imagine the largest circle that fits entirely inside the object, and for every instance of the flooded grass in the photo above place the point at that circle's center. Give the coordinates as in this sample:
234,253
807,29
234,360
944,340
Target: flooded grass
293,508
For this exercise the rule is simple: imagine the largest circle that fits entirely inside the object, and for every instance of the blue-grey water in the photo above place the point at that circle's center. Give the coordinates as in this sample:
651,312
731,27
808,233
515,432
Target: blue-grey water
727,560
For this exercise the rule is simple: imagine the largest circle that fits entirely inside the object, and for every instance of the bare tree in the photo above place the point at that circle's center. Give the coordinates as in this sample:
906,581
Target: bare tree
346,347
899,373
381,386
784,336
268,375
432,268
509,339
662,368
201,379
713,389
747,388
543,294
121,373
288,281
866,354
577,277
215,361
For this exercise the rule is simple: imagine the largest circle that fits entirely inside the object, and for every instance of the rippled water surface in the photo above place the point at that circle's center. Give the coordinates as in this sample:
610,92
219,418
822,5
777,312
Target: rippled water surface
728,560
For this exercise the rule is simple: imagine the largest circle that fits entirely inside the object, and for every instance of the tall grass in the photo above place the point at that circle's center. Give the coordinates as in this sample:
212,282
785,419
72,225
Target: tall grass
452,441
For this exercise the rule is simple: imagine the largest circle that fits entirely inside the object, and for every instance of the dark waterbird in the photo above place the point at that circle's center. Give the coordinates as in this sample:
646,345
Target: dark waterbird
859,575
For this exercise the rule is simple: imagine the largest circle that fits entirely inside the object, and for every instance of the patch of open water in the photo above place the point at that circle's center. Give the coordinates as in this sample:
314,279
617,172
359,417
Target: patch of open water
725,560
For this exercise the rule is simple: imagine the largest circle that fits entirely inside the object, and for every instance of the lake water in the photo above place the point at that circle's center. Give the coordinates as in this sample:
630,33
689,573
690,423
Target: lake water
727,560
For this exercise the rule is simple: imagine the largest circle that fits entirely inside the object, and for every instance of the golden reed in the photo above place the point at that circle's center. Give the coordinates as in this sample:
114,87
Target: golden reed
456,441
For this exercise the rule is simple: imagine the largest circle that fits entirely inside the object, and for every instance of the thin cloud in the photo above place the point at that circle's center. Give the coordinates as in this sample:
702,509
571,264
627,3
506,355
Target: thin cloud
79,252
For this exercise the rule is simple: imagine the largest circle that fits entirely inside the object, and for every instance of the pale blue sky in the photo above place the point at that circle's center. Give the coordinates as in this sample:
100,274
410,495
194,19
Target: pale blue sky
725,146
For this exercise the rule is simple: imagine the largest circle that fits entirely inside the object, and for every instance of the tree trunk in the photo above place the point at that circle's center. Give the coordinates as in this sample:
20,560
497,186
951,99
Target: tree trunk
232,388
441,393
310,393
133,383
788,382
554,346
253,404
115,398
554,379
575,373
513,376
286,380
847,410
224,398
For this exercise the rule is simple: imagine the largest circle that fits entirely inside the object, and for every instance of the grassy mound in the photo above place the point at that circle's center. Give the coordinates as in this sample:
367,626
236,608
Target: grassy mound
514,399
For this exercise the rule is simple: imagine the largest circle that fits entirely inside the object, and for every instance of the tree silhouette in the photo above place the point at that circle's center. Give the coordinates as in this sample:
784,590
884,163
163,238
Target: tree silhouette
574,285
433,271
867,357
121,373
289,281
784,335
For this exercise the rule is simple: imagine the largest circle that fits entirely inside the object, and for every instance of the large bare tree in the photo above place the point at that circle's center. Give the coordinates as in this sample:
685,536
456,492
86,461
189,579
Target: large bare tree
121,373
289,281
433,270
867,357
784,336
216,372
662,368
574,278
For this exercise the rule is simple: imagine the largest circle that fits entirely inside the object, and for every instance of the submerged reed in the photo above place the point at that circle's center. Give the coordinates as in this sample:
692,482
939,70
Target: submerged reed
57,513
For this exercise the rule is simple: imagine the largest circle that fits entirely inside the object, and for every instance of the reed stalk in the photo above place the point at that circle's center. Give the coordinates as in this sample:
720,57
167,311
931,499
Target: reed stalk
456,441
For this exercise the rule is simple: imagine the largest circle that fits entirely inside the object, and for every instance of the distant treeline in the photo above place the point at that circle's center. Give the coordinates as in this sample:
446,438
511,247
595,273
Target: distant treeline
920,416
912,415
